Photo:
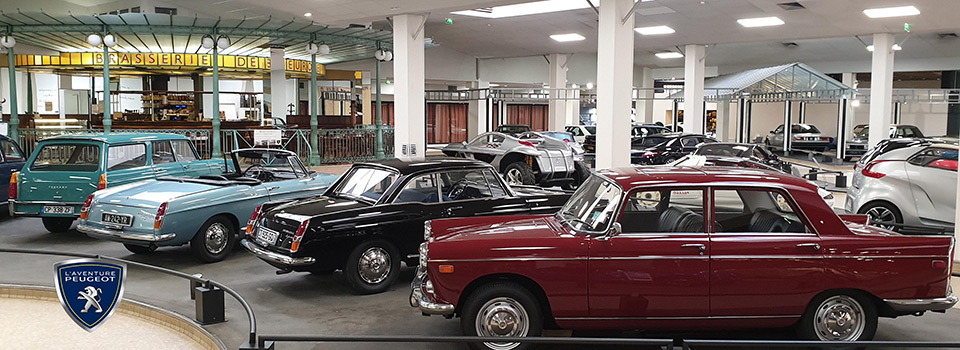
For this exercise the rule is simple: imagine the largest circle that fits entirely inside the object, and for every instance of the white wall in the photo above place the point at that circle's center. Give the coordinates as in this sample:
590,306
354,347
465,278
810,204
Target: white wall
21,90
229,103
47,96
131,101
929,117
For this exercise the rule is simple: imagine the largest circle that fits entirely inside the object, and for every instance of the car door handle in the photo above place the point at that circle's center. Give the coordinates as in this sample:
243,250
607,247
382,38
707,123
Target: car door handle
815,246
701,247
271,188
450,210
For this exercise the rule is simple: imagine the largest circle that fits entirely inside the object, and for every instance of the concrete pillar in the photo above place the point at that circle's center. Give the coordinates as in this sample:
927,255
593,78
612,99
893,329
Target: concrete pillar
557,110
723,120
787,125
573,108
849,79
693,71
881,87
477,112
897,112
278,92
842,127
409,135
614,88
646,96
802,113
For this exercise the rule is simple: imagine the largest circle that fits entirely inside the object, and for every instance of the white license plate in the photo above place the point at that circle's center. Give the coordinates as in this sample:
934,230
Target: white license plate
117,219
58,209
266,236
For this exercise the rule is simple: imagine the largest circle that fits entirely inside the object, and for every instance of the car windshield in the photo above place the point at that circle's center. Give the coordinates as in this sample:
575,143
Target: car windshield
270,166
67,157
513,129
591,129
865,132
593,206
365,183
720,150
559,135
804,129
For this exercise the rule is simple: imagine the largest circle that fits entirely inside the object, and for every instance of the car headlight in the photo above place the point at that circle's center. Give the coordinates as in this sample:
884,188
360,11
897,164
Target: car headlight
427,230
423,254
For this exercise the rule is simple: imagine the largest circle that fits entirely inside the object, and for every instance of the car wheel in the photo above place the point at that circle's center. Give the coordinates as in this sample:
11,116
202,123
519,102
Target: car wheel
501,309
519,173
215,240
580,174
139,249
880,213
57,225
372,267
843,316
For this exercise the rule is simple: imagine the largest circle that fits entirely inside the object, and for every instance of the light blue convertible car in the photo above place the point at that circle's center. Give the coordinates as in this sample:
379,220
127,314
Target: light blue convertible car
209,211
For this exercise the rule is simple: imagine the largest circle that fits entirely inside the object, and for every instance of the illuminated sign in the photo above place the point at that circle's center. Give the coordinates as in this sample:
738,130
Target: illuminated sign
165,60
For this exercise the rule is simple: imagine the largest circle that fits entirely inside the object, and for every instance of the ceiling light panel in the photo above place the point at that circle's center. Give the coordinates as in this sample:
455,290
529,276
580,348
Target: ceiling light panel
567,37
526,9
886,12
760,22
668,55
655,30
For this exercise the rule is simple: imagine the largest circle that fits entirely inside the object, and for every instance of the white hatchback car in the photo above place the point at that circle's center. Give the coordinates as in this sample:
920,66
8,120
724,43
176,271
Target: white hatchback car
908,182
580,132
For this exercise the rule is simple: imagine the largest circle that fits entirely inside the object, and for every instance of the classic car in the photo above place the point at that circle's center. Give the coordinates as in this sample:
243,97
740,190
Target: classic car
802,136
744,150
678,249
11,161
638,134
580,132
513,129
858,145
63,170
671,147
908,185
522,162
564,136
207,212
372,218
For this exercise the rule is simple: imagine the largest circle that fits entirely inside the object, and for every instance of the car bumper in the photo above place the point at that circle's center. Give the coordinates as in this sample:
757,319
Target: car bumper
818,145
273,258
35,208
118,235
419,300
909,306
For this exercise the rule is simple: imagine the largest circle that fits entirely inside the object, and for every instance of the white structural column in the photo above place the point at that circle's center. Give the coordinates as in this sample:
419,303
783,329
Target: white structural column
723,121
849,79
614,87
557,109
646,95
477,112
278,92
881,87
573,108
409,133
693,70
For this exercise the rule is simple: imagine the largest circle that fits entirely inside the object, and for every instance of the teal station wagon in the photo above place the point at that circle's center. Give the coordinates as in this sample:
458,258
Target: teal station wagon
64,170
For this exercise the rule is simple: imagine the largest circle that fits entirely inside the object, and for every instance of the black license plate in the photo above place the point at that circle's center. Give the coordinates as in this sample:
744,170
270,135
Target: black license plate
117,219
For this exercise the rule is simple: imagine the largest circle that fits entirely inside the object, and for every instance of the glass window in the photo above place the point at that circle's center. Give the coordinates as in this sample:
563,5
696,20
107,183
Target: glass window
757,152
11,152
364,183
755,211
804,129
421,189
162,152
126,156
464,184
593,206
496,187
677,210
184,150
690,141
936,157
67,157
591,129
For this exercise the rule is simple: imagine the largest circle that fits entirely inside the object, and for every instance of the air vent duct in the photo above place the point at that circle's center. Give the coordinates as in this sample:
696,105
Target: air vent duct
790,6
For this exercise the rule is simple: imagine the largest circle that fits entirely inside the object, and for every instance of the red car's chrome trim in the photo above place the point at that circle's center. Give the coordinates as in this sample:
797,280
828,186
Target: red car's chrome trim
673,318
505,259
885,256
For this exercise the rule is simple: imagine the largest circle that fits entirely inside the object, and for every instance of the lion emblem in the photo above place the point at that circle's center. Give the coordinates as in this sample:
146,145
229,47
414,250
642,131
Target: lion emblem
93,298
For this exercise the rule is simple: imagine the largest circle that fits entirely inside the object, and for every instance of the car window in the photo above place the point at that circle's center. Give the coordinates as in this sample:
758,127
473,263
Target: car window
126,156
67,157
11,152
369,183
184,150
591,129
936,157
778,130
593,206
755,211
162,152
663,210
689,141
804,129
759,153
421,189
464,185
493,180
909,131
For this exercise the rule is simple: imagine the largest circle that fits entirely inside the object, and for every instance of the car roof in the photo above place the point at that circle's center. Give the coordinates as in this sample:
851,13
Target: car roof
117,137
406,167
629,177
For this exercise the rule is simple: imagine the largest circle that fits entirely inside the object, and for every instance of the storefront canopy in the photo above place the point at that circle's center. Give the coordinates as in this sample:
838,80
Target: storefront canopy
794,81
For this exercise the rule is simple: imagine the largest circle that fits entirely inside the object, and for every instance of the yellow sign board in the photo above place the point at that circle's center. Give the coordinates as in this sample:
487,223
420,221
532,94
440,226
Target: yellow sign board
167,60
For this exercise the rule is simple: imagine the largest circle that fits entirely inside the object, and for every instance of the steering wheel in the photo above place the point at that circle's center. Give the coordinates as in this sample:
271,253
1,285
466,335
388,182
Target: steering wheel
253,171
457,189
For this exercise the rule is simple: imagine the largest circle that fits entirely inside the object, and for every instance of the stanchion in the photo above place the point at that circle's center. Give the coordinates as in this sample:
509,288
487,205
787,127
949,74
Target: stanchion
209,305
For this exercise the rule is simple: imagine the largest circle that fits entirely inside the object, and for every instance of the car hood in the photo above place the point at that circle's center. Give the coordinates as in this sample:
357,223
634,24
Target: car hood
510,228
150,193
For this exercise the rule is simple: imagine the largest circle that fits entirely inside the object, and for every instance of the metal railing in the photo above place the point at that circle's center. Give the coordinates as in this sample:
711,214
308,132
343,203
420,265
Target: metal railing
352,145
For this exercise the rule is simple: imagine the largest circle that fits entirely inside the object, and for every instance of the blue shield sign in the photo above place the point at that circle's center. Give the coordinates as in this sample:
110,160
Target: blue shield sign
90,289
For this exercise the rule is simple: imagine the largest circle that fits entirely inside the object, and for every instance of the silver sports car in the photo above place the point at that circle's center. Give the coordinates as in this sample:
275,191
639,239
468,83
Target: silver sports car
907,185
545,160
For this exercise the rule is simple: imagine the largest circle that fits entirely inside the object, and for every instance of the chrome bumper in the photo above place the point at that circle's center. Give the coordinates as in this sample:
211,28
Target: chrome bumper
269,256
117,234
419,300
917,305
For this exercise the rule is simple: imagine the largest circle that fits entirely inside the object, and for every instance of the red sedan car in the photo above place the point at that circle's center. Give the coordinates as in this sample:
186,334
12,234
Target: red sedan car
674,248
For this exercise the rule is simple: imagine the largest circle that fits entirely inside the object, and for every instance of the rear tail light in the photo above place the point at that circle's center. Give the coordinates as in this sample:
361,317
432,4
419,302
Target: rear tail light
86,207
525,143
253,220
158,220
649,154
797,138
295,245
868,170
103,182
824,139
13,185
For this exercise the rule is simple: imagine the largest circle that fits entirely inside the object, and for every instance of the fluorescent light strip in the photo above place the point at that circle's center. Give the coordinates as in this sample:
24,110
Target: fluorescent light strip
895,47
68,120
656,30
886,12
567,37
668,55
525,9
760,22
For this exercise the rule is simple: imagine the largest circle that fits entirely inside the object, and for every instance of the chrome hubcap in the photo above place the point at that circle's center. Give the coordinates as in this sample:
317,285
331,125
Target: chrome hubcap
514,177
502,317
374,265
839,318
215,239
879,215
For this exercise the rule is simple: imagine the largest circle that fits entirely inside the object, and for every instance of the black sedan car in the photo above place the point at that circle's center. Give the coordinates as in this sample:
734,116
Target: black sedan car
669,148
637,135
752,152
372,217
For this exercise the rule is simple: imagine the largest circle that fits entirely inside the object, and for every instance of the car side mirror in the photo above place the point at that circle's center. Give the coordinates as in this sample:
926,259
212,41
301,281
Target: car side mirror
614,230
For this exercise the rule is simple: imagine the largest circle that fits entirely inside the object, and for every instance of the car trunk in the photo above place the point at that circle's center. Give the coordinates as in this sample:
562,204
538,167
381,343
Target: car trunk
141,201
282,222
64,183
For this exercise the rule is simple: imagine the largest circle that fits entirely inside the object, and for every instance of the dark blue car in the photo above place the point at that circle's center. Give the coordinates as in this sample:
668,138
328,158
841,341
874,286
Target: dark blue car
11,160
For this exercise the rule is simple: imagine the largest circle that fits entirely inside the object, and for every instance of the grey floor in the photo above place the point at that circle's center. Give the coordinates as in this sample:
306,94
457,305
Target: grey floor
299,303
